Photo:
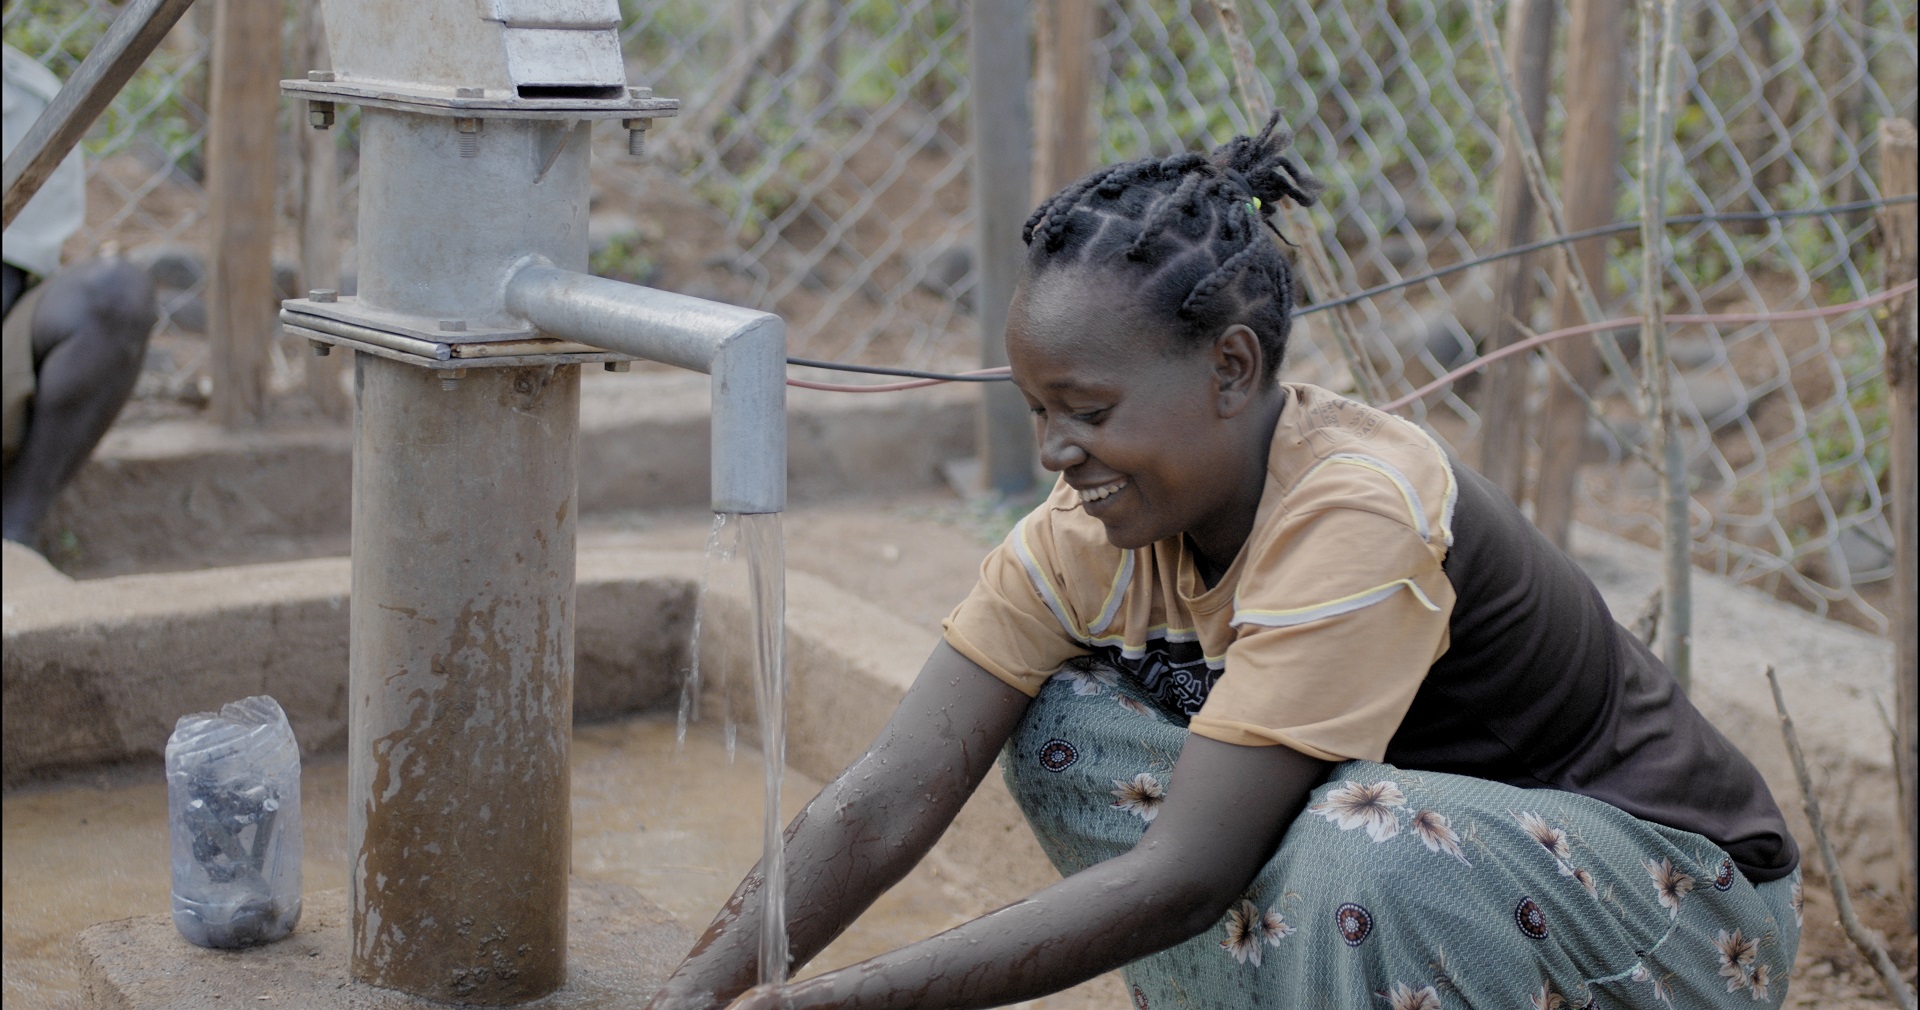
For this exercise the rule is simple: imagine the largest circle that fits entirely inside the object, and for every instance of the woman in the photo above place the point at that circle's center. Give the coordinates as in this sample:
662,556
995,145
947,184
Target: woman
1306,713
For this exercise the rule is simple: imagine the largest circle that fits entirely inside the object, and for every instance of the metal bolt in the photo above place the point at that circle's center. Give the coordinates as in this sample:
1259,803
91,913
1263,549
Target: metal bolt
619,366
320,114
320,348
469,135
636,136
639,92
323,295
469,92
453,325
320,76
450,377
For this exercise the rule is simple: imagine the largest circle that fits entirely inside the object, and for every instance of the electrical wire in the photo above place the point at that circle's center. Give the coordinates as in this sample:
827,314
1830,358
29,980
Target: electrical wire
1002,374
1625,322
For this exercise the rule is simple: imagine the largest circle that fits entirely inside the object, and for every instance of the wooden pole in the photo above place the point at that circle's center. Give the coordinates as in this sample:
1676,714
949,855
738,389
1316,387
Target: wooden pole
997,53
1589,154
241,139
320,221
1062,87
1503,399
1899,224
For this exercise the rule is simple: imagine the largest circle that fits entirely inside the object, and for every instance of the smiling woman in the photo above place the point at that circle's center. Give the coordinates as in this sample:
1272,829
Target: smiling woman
1306,714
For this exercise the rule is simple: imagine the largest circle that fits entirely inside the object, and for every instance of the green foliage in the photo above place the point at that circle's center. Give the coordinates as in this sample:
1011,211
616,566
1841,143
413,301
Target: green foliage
153,108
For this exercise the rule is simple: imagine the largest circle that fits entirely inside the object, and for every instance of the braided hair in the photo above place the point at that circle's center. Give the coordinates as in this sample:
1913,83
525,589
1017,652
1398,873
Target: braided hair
1190,228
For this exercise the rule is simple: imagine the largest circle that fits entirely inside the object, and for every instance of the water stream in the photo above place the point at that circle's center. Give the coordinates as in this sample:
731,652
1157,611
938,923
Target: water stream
760,539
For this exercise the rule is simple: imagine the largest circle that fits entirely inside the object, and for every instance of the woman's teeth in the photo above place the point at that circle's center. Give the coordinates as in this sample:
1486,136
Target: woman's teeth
1094,494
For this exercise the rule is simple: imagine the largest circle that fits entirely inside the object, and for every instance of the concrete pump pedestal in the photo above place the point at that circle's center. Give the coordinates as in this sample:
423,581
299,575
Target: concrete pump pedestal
620,948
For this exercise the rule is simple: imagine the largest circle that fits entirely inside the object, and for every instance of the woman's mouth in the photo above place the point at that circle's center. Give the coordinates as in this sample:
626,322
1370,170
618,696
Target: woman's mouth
1094,494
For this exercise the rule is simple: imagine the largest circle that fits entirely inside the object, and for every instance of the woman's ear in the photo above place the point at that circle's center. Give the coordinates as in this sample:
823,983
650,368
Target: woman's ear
1237,361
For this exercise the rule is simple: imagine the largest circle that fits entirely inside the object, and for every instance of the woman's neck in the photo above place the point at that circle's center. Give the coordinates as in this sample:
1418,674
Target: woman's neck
1214,548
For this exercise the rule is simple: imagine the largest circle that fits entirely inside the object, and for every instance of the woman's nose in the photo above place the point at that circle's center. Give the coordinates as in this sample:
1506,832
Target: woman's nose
1057,450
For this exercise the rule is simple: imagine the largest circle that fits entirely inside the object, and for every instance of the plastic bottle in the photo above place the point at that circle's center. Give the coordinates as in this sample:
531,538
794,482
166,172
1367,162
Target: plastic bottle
233,810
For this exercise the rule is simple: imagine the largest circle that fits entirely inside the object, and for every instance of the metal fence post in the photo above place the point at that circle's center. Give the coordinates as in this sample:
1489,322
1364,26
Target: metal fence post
1000,65
240,186
1897,166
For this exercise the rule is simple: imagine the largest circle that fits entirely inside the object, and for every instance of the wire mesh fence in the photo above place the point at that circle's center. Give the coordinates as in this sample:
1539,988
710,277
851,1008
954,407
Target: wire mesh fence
820,169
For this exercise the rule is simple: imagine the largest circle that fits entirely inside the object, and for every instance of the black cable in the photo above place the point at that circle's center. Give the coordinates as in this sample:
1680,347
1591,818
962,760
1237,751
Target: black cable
1519,250
1604,230
908,373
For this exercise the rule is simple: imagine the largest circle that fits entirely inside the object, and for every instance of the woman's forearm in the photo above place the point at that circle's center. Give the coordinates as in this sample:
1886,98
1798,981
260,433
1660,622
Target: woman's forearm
1225,812
866,829
1088,924
843,851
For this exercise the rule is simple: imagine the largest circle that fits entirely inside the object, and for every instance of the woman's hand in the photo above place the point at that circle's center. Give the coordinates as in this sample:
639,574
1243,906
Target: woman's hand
1226,810
865,830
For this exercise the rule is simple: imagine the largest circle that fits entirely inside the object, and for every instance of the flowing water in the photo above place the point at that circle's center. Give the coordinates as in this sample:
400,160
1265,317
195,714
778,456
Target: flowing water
765,548
760,540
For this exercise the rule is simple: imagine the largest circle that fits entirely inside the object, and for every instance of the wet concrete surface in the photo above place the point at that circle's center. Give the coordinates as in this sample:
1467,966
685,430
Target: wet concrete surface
679,824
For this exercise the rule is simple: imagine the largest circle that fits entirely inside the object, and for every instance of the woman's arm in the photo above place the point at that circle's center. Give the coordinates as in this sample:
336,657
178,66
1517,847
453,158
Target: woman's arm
866,829
1226,809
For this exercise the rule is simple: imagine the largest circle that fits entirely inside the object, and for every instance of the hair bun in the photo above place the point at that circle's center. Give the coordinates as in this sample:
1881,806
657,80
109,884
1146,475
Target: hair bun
1260,163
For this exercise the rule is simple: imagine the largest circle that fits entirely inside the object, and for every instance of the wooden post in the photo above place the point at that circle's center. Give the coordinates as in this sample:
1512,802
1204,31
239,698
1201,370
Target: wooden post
1503,399
320,220
998,120
1589,157
241,313
1062,86
1899,224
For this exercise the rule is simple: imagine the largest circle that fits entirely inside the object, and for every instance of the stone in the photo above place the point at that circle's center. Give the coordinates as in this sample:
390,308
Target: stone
620,947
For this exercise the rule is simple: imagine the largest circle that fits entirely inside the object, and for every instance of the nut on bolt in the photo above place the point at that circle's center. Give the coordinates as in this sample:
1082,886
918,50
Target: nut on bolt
323,295
319,114
636,136
320,348
450,377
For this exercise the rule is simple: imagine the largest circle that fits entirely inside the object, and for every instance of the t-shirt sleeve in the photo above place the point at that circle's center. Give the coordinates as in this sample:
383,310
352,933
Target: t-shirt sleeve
1015,621
1336,623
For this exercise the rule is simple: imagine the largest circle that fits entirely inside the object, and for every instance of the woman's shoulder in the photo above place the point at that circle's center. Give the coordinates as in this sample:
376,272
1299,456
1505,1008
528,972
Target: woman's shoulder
1330,451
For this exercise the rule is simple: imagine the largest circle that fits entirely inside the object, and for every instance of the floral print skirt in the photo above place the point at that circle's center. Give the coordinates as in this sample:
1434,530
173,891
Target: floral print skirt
1408,890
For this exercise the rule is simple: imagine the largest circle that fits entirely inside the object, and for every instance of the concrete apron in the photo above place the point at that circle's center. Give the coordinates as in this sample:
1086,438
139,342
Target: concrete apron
96,673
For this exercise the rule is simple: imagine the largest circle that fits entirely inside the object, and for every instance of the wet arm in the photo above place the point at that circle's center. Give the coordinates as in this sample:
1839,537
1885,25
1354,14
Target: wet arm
1227,808
866,830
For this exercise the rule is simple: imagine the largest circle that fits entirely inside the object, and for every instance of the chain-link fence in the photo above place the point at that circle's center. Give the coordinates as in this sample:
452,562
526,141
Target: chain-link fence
819,169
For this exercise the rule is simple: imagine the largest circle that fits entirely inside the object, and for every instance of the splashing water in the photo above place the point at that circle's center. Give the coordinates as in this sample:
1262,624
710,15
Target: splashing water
690,679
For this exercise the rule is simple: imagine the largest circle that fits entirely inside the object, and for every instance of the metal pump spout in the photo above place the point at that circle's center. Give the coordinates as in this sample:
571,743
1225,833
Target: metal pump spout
742,349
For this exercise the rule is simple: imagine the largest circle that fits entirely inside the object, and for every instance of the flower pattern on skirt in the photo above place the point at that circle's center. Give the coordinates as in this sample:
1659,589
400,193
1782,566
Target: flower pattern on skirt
1420,876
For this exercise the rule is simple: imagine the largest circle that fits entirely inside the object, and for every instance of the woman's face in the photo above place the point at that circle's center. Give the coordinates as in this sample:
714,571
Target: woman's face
1148,432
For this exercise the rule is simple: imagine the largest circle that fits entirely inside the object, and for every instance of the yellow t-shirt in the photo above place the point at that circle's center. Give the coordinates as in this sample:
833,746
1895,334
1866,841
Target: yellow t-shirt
1318,635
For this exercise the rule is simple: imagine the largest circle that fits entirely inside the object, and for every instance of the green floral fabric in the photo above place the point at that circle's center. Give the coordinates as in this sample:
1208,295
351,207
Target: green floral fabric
1409,890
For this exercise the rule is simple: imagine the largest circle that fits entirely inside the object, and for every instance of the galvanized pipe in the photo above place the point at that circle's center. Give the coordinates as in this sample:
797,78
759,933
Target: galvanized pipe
743,350
461,679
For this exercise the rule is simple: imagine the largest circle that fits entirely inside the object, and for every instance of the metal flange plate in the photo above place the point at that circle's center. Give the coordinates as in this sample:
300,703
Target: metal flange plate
498,104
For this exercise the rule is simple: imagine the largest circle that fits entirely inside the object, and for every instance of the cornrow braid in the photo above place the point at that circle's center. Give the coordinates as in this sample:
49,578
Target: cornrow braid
1187,229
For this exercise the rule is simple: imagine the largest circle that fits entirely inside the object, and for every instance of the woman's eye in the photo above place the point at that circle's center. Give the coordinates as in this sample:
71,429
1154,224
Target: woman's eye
1090,416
